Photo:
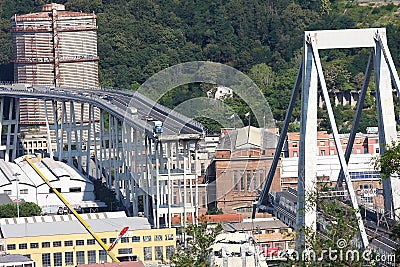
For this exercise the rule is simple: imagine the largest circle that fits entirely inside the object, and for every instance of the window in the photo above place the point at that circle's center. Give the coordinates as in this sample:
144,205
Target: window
147,254
80,257
23,246
294,144
104,240
135,238
169,250
11,247
125,251
91,254
295,154
57,258
46,260
203,199
69,258
332,152
261,178
169,237
241,180
322,152
112,239
255,185
248,176
235,181
80,242
90,242
102,256
125,240
45,244
23,191
57,244
68,243
158,238
358,150
146,238
7,192
75,189
376,151
322,143
34,245
51,190
158,252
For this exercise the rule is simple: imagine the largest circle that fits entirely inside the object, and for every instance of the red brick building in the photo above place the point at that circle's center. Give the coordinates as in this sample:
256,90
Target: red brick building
363,144
239,169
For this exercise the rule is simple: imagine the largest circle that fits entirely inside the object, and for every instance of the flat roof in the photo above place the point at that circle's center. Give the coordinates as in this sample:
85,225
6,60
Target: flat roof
73,227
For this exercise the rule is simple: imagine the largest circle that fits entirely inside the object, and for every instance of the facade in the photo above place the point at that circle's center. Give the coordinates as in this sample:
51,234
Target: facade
55,47
60,240
239,169
363,144
21,183
366,180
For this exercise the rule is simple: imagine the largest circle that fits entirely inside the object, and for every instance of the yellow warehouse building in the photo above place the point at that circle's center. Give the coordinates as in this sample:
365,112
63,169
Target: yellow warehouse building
60,240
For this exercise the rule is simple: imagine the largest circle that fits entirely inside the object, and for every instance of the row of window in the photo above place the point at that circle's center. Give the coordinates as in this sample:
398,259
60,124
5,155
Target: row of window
81,242
67,259
251,181
25,191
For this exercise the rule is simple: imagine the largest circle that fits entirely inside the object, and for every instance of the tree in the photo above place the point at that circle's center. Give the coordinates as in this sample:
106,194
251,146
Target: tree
196,251
26,209
388,164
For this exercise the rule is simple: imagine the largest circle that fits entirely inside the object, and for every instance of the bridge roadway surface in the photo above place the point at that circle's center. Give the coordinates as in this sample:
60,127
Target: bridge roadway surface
118,104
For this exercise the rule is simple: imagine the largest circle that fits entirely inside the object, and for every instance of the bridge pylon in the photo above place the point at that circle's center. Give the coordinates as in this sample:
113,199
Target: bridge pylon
309,76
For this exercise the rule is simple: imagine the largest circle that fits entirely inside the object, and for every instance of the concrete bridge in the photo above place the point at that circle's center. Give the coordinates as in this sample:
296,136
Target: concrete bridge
154,174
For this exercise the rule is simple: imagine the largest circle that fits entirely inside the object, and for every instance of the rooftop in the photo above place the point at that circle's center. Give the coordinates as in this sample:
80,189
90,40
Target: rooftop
68,224
14,258
248,137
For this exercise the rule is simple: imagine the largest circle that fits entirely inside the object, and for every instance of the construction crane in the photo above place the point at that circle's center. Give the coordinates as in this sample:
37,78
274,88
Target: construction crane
80,219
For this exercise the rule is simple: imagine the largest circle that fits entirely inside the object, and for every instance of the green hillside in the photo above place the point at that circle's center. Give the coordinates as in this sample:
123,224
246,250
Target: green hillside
138,38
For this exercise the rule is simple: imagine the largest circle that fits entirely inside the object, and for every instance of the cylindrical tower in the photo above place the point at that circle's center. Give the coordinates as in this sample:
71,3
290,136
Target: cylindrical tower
55,47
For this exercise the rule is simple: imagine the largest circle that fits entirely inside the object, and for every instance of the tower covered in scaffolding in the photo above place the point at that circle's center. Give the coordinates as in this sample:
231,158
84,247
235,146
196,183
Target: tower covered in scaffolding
55,47
58,48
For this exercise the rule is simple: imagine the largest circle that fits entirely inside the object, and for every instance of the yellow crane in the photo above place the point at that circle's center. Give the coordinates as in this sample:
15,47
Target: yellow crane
80,219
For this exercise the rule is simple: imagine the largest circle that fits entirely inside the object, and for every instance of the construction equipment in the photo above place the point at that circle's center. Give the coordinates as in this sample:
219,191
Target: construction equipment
66,203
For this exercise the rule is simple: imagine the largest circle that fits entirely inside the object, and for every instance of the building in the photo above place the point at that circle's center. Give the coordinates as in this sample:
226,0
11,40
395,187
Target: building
267,232
363,144
238,171
53,47
15,260
236,249
60,240
366,180
220,92
20,182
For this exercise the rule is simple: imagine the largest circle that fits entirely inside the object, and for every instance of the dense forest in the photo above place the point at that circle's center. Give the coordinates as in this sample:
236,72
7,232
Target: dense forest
264,39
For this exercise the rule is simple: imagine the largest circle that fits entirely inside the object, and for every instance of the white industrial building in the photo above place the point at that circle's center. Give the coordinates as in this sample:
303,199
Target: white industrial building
21,182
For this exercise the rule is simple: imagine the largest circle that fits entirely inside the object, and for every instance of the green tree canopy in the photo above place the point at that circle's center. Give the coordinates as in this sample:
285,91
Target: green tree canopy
26,209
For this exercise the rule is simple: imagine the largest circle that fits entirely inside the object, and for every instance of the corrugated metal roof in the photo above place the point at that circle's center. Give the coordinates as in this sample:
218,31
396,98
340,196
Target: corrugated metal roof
248,137
14,258
73,227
